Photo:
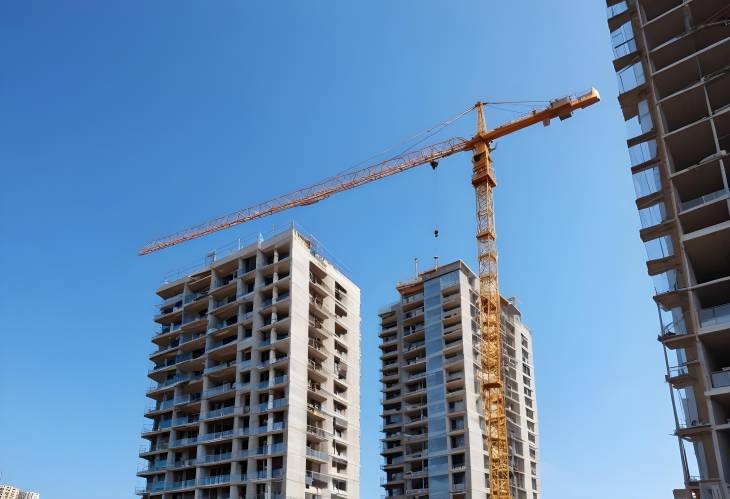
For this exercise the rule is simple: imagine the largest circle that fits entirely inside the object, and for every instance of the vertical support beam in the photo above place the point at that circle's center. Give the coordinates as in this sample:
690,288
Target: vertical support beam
484,182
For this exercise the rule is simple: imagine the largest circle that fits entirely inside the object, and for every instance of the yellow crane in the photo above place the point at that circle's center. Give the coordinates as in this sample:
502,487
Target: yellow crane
484,181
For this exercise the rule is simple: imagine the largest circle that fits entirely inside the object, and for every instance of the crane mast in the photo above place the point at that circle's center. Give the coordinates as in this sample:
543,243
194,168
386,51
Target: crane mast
484,182
492,387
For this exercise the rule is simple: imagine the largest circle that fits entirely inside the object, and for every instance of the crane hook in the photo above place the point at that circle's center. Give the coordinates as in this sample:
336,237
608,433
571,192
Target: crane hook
434,164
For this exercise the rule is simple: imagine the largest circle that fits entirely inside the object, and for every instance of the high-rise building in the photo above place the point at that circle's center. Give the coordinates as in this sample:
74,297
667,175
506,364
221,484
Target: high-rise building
256,378
434,443
672,58
9,492
520,401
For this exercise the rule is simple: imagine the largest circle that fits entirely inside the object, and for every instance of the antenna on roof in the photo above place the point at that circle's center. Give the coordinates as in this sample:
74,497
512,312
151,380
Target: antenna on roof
415,263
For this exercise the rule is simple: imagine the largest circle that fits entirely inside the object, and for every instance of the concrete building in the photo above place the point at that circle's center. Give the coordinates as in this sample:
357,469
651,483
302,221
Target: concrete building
672,58
8,492
256,378
434,443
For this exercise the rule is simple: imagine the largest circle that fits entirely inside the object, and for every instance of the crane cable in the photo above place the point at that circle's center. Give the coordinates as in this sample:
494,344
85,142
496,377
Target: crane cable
427,133
435,206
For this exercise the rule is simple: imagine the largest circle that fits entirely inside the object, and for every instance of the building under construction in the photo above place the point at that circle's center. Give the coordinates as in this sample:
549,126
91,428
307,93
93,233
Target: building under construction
434,443
672,58
256,378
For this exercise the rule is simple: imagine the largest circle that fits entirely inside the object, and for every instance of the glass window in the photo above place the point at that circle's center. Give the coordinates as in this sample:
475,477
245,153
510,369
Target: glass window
686,406
617,9
449,279
666,281
696,468
433,315
647,182
622,41
652,215
439,465
661,247
641,123
436,444
432,301
630,77
642,152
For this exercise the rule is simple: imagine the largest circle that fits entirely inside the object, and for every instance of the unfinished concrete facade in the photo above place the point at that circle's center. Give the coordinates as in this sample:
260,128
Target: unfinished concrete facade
434,443
256,379
10,492
672,58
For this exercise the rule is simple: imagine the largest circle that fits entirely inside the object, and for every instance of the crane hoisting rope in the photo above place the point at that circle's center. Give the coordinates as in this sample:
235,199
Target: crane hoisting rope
435,205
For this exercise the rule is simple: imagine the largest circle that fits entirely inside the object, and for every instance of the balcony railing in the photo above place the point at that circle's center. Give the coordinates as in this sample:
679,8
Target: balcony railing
270,449
227,387
272,381
185,399
186,420
686,205
191,297
215,344
168,328
268,362
219,435
225,411
275,404
153,447
456,406
184,441
175,379
409,330
317,454
676,371
220,366
714,316
413,313
316,430
721,379
213,480
268,474
187,319
223,324
224,301
169,310
170,301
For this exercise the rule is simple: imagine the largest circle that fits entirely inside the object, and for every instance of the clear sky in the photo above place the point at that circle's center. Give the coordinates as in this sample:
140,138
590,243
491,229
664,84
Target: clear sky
123,121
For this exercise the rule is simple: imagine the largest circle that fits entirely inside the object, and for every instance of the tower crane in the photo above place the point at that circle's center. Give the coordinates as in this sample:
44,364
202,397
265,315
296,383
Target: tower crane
484,181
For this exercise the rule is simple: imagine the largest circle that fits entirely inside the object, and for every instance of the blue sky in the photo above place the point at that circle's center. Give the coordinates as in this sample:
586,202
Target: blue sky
123,121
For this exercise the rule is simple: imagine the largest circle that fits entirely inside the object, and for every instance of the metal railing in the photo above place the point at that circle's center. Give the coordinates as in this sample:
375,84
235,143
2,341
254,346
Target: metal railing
713,316
721,379
686,205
